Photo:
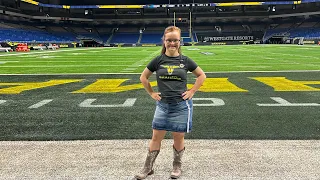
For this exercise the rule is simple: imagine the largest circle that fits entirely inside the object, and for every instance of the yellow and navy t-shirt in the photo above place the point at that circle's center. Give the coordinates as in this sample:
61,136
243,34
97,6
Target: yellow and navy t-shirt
171,73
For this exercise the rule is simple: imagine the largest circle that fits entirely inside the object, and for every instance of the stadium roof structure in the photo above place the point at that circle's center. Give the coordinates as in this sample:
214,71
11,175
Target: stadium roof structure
71,4
123,2
159,12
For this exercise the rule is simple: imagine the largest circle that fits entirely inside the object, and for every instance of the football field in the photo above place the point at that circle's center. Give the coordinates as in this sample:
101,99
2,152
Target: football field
251,92
83,114
134,59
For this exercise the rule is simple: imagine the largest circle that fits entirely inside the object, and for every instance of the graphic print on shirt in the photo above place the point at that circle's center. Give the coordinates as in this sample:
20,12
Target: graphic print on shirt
170,69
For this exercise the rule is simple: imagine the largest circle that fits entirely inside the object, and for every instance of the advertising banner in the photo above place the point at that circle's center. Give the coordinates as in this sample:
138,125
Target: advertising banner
206,38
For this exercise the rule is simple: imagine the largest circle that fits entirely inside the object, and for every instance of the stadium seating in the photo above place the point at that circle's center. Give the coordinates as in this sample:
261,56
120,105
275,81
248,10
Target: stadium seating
125,38
272,32
92,36
186,37
19,35
305,32
152,38
54,33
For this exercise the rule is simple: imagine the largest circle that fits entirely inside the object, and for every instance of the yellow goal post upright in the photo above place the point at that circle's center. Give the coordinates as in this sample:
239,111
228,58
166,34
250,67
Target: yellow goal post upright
189,28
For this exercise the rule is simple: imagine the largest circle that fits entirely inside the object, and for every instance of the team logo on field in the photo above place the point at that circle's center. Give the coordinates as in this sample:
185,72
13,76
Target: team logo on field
170,69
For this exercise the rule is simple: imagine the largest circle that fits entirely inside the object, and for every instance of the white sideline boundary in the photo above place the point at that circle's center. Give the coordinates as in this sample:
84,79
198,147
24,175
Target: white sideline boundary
60,50
121,159
222,72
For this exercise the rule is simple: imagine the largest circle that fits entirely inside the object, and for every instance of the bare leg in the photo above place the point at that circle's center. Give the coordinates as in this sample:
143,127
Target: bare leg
178,139
157,137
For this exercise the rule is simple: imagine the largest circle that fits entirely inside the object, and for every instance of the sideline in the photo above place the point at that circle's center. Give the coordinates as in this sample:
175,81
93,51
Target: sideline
218,72
53,51
121,159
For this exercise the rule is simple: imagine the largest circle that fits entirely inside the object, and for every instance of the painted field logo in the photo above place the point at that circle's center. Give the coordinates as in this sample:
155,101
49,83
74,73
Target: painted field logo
116,85
207,53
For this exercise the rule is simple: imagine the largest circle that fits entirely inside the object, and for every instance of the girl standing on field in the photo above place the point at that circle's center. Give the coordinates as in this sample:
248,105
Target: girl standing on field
174,105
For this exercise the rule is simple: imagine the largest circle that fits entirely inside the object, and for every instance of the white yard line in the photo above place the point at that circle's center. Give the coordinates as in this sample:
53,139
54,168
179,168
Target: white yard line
283,45
106,61
60,50
255,55
138,64
291,55
295,55
284,71
41,103
253,66
314,64
52,66
243,64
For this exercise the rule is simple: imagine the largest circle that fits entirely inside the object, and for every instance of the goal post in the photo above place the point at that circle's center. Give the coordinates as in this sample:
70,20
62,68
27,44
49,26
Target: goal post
190,37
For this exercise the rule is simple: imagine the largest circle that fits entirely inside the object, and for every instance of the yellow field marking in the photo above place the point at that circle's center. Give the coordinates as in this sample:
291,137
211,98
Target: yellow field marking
283,84
19,87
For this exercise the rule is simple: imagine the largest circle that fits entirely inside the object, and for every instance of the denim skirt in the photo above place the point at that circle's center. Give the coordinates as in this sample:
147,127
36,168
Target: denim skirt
175,117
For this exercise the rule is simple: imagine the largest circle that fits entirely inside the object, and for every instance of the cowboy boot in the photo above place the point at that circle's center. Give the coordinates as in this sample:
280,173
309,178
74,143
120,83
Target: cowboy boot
177,156
148,165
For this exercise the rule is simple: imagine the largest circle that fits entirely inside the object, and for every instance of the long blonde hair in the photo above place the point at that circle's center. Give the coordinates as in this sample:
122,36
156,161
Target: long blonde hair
168,30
